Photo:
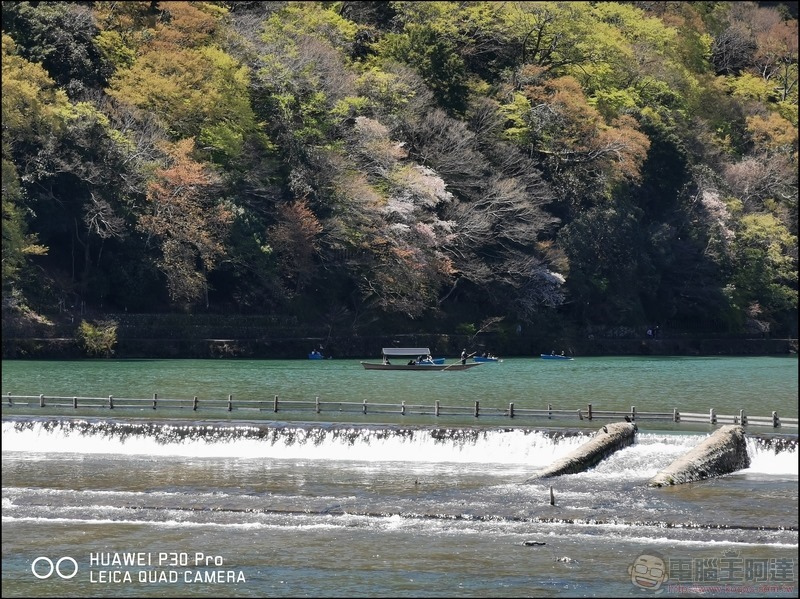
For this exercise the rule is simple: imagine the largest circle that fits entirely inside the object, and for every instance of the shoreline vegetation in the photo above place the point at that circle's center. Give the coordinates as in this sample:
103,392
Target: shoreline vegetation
192,336
253,179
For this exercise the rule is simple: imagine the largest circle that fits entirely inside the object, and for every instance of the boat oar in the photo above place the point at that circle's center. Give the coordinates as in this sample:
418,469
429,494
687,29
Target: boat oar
458,362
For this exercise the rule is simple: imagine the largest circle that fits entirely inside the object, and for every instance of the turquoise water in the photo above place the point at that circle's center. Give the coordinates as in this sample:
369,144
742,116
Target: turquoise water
411,508
757,385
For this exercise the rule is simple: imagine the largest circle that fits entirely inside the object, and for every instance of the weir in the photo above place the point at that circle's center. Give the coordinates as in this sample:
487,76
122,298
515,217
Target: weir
526,450
288,433
609,439
282,440
723,452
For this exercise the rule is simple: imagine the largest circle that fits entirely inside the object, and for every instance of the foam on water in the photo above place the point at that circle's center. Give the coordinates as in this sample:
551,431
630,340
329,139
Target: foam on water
531,448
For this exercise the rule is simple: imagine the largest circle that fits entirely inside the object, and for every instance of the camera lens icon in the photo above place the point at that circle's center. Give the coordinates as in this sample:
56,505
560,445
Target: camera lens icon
47,568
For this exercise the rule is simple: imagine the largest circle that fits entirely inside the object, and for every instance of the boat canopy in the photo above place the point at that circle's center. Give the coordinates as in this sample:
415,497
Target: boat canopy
406,351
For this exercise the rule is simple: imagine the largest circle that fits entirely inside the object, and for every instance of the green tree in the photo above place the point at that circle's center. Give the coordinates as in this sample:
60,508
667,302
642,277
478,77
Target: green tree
59,36
764,283
18,243
437,61
30,103
98,339
81,186
585,157
191,84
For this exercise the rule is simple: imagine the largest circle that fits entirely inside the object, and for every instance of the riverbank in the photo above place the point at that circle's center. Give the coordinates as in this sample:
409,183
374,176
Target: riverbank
186,336
360,347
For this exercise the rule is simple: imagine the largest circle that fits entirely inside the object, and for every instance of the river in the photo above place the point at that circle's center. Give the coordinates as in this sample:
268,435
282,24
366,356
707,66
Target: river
218,503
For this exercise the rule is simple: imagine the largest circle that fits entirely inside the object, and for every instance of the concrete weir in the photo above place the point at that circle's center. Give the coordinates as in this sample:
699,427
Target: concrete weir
610,438
723,452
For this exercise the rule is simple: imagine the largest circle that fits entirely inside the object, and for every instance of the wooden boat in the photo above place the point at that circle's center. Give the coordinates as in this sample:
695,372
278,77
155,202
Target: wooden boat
431,367
405,355
555,357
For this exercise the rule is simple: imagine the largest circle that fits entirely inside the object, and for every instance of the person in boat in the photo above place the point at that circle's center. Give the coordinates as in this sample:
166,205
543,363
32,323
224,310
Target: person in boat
412,362
386,360
464,356
562,352
553,352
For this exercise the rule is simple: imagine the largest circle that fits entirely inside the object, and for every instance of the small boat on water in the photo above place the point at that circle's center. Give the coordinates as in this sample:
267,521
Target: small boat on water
414,358
555,357
481,359
431,361
315,355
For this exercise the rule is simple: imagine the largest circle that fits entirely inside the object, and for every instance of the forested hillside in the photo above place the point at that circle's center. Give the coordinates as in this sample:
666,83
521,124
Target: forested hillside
401,166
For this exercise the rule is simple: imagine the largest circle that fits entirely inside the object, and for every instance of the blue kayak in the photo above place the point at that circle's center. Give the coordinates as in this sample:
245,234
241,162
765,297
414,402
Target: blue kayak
555,357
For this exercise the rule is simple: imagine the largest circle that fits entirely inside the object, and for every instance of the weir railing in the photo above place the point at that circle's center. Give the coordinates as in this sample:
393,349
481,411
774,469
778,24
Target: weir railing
474,409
